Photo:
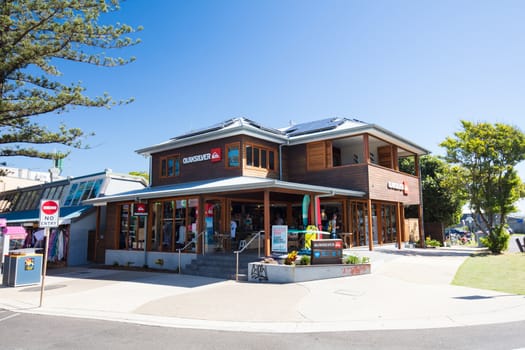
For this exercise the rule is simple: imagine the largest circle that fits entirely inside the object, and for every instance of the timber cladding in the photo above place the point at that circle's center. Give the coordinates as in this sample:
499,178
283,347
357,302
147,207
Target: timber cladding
110,240
196,164
378,183
393,186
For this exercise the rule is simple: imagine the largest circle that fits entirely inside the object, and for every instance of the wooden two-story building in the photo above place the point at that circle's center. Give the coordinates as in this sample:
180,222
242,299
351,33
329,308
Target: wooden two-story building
240,174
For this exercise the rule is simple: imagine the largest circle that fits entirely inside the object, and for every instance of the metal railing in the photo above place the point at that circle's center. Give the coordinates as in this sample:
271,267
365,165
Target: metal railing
238,252
189,244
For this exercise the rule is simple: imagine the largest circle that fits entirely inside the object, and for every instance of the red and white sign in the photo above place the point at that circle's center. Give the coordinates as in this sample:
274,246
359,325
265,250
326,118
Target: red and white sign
140,209
49,213
216,154
396,186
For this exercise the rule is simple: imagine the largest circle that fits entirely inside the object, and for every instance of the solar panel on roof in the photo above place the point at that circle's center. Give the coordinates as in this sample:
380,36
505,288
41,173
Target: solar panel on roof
205,130
315,126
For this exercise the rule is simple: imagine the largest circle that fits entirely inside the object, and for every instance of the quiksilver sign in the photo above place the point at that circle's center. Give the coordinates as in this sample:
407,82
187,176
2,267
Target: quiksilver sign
395,186
197,158
215,156
398,186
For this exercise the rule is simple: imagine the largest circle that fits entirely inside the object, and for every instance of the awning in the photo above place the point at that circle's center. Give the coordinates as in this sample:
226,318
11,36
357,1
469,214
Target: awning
66,215
241,183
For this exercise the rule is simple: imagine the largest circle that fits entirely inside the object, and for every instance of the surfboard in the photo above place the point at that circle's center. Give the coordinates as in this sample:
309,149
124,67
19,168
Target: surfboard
306,209
318,219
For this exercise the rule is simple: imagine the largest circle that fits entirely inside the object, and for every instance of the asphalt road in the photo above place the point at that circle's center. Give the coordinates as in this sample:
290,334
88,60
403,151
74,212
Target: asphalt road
28,332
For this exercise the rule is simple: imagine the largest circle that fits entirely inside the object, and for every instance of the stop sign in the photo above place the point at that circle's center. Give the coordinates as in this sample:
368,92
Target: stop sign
50,207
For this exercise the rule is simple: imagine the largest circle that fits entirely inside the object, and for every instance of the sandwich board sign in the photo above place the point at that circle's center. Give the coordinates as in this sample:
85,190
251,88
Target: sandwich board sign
49,213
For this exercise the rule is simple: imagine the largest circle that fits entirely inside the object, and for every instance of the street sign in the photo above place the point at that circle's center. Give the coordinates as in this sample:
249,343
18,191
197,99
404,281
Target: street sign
49,213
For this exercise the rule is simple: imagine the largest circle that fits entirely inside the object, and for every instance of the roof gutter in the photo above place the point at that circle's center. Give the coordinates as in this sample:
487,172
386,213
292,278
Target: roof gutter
281,158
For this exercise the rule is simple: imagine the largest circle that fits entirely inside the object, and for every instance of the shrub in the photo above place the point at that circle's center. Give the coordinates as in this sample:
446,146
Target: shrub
290,259
432,242
497,240
305,260
352,259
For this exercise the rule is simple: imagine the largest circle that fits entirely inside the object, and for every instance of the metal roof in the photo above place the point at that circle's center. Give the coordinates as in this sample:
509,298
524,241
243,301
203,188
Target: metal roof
241,183
318,130
66,214
231,127
342,127
314,127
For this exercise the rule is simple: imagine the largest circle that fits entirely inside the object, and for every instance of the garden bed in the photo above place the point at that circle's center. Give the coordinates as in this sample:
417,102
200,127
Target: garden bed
280,273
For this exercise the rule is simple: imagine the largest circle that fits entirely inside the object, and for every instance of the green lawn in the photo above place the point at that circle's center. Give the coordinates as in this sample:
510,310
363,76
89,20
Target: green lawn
504,273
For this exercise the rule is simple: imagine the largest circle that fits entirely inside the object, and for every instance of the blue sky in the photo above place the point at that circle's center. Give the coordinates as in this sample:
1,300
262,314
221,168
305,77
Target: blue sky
415,68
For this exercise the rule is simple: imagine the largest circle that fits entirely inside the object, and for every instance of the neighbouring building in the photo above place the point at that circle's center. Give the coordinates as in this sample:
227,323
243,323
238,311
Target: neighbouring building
242,176
73,242
13,178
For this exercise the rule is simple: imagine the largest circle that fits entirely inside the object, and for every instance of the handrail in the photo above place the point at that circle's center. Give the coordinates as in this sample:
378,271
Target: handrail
237,252
188,244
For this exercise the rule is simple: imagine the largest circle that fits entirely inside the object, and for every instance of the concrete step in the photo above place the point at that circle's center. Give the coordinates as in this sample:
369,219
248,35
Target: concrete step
220,266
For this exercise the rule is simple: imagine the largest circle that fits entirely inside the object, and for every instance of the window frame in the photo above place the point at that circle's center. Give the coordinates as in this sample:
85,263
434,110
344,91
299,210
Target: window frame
254,157
165,166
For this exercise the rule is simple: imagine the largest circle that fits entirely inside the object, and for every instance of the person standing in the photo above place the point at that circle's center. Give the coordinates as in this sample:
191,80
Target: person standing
333,227
233,229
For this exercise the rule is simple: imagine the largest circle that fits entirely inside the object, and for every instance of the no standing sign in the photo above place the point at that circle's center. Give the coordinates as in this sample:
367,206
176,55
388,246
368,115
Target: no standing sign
49,213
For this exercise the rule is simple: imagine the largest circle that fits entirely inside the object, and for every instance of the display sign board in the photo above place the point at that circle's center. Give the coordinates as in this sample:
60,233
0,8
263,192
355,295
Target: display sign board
49,213
326,251
280,238
140,209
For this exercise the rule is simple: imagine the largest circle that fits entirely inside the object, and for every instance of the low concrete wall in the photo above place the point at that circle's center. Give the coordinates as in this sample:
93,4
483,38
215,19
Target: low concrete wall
154,260
273,273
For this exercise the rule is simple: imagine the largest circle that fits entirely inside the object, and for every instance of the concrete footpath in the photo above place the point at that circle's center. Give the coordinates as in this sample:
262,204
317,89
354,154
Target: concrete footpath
408,289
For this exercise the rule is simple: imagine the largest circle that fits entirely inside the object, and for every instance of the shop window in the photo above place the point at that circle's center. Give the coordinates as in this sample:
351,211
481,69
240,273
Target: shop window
82,191
174,224
131,229
260,157
359,222
170,166
233,153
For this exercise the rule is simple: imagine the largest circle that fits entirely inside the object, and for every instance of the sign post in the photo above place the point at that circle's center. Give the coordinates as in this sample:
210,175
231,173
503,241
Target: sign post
49,215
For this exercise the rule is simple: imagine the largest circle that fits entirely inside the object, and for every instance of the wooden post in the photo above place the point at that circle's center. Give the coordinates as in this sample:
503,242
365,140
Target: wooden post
267,225
398,224
370,227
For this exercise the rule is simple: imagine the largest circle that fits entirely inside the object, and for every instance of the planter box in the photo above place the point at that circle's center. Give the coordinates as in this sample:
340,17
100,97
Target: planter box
273,273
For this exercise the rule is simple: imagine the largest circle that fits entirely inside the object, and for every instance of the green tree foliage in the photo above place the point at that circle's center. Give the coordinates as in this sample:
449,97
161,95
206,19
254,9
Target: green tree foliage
35,37
441,202
487,154
143,174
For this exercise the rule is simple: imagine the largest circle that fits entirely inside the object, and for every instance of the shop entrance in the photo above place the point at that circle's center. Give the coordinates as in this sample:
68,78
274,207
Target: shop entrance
217,238
174,224
384,222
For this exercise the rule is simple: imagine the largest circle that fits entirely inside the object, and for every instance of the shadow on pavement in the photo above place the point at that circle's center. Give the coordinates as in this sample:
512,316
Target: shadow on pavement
132,276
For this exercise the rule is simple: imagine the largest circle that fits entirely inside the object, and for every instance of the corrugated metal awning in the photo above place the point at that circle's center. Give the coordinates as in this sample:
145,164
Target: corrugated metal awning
241,183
